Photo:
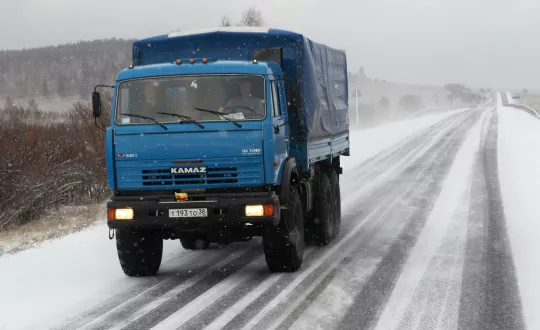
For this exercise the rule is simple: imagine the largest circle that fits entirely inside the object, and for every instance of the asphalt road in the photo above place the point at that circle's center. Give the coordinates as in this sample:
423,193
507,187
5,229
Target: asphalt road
423,245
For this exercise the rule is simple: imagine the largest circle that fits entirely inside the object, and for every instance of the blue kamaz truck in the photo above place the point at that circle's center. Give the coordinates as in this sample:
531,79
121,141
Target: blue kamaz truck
222,135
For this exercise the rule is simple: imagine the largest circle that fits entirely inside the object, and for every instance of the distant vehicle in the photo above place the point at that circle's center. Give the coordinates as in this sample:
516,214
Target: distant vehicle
410,103
222,135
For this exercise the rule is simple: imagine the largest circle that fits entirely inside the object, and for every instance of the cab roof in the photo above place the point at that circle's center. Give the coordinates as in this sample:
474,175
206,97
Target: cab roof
241,31
212,67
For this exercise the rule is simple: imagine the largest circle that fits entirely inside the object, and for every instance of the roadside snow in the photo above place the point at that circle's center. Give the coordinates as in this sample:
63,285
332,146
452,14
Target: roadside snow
53,224
519,167
499,101
44,285
509,98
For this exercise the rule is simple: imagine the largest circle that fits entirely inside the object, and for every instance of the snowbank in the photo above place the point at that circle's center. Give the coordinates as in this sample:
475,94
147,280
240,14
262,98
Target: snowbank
519,166
509,98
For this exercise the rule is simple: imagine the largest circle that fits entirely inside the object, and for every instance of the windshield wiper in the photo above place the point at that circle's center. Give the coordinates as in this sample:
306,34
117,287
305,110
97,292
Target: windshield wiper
145,117
186,118
217,113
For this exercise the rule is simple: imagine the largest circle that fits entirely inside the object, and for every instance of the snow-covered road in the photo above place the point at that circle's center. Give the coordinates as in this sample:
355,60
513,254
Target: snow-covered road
440,222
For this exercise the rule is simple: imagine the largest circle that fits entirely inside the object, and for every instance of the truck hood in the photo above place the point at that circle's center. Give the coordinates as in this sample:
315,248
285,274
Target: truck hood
188,145
200,159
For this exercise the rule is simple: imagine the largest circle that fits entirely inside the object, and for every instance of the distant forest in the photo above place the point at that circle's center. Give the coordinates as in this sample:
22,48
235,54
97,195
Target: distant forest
72,70
69,70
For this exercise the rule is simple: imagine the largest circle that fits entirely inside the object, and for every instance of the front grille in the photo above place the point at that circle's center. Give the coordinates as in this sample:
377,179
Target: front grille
163,177
220,173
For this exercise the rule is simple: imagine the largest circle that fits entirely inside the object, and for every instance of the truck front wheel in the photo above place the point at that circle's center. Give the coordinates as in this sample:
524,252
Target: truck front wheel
139,251
284,244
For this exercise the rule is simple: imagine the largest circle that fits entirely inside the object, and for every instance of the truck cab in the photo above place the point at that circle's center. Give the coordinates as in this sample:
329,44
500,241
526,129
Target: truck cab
231,133
202,149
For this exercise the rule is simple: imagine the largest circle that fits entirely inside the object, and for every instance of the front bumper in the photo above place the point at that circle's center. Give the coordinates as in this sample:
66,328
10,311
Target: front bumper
223,210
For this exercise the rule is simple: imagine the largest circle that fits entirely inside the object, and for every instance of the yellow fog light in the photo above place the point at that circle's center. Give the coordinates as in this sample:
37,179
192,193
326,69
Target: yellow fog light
123,214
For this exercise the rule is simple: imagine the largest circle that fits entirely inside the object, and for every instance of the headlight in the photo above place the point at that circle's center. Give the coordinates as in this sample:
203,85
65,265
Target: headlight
266,210
123,214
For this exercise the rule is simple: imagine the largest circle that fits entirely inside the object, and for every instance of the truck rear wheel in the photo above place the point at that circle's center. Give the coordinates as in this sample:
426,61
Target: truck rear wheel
139,251
284,244
321,227
194,244
336,198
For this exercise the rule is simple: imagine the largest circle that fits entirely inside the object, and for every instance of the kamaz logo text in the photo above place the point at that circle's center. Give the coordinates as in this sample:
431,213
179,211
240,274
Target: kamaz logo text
188,170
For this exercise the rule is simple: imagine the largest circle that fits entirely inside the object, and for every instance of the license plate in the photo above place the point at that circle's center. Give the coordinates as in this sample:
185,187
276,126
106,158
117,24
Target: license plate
188,213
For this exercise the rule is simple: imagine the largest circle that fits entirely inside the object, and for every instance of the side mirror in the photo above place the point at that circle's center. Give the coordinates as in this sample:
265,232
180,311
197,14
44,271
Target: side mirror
96,104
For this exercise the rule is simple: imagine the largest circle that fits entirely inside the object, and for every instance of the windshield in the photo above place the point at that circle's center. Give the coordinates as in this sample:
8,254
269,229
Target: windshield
238,97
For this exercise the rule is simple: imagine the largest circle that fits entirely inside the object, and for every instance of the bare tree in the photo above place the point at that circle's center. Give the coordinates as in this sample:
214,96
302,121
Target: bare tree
33,106
362,72
252,17
9,103
225,21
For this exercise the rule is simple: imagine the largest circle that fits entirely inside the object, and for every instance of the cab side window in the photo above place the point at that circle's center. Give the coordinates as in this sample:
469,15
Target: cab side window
275,99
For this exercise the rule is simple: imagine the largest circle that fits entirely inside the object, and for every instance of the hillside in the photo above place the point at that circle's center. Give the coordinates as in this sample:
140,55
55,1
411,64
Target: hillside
64,72
58,76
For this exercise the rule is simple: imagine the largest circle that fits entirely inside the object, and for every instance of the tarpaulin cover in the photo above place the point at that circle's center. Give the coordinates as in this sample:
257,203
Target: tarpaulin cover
322,69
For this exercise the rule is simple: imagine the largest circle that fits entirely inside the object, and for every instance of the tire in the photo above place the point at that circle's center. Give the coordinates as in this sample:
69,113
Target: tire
194,244
321,227
139,251
284,244
336,198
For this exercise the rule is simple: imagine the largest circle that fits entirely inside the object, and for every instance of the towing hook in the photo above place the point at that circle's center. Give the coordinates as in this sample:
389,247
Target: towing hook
111,234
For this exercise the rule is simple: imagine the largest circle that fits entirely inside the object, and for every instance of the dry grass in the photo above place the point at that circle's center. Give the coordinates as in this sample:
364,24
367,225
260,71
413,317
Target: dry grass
53,225
51,174
49,163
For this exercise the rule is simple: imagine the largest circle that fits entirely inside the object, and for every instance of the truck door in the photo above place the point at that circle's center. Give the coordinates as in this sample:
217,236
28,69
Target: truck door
279,121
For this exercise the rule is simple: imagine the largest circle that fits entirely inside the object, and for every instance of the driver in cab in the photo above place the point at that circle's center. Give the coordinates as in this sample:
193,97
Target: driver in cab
245,103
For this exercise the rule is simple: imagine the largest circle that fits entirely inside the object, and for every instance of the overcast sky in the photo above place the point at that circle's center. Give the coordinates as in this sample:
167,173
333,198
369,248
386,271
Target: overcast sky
477,42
